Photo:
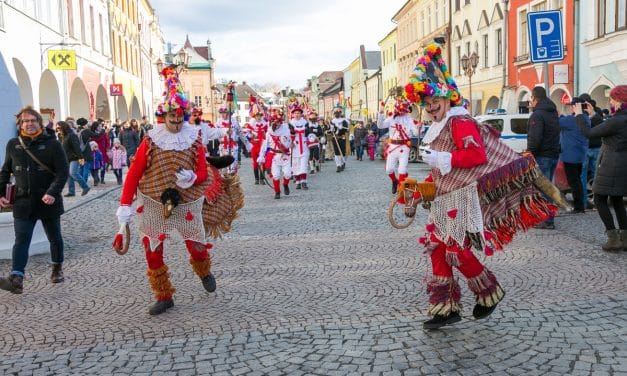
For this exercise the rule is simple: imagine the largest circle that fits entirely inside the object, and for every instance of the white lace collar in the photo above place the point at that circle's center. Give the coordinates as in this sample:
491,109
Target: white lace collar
436,127
167,140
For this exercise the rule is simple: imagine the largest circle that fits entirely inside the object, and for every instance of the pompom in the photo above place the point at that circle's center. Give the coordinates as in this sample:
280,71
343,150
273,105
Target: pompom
117,242
488,251
430,227
162,237
140,209
189,216
422,240
208,246
452,213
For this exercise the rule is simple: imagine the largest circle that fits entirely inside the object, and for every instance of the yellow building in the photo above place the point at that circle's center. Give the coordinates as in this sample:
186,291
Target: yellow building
389,66
125,45
354,95
478,28
409,48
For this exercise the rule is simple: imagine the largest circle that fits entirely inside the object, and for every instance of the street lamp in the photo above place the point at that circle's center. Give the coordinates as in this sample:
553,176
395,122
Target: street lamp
469,64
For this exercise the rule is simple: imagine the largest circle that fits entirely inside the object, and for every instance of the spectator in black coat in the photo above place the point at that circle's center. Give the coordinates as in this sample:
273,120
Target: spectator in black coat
37,195
543,137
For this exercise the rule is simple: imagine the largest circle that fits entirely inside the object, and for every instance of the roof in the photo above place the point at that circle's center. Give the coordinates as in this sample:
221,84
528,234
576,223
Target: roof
333,89
242,91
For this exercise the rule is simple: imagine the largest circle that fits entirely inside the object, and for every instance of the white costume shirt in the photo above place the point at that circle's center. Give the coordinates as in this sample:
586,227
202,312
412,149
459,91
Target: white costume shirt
300,137
401,127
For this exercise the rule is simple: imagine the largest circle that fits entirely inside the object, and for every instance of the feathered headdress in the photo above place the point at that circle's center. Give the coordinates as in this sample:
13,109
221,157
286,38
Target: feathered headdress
338,108
174,98
431,78
256,108
294,106
402,106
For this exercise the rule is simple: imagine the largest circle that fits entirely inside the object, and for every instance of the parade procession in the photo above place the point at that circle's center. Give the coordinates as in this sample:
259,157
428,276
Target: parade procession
355,188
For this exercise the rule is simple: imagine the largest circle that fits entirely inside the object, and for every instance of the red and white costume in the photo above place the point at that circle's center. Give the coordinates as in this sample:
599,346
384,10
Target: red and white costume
401,128
254,133
300,150
229,144
275,153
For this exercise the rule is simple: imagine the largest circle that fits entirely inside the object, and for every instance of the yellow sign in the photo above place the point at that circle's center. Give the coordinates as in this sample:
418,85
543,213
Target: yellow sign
61,59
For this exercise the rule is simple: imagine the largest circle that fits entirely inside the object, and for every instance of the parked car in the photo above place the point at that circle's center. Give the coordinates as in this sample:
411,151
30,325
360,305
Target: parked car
413,151
513,128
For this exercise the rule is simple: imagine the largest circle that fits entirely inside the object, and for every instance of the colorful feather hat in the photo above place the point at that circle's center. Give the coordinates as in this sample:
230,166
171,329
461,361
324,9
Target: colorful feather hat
174,97
431,78
255,108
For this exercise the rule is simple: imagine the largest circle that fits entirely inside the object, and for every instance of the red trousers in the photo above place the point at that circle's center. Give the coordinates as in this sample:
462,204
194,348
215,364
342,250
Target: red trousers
443,289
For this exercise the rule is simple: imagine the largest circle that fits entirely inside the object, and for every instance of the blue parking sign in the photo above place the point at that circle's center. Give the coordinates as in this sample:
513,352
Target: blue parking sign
545,36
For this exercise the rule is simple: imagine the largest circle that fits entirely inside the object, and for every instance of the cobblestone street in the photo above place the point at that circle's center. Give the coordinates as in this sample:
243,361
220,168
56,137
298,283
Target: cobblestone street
316,283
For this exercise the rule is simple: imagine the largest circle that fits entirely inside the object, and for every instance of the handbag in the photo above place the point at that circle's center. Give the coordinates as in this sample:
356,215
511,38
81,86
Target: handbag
10,193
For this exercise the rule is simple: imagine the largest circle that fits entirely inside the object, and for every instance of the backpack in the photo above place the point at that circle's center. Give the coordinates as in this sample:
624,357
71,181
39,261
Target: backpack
82,143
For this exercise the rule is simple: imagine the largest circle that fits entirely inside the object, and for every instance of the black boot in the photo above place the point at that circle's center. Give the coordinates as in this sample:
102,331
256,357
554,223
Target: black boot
209,283
339,168
13,283
481,312
286,189
160,306
297,185
57,274
277,195
343,166
256,173
221,162
304,185
394,187
439,321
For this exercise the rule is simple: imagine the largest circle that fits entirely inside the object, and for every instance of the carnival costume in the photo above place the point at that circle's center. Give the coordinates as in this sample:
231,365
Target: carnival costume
485,194
229,145
275,154
299,128
176,191
314,143
402,127
254,133
337,136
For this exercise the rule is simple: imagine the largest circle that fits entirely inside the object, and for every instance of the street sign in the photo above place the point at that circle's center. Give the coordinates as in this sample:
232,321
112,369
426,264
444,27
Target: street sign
115,90
545,36
61,60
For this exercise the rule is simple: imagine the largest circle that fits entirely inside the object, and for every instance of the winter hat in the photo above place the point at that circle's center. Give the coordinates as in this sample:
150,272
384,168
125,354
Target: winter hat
116,141
431,78
619,93
93,144
174,97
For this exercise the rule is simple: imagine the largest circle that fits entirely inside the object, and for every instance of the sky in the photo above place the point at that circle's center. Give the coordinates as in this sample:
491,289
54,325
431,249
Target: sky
277,41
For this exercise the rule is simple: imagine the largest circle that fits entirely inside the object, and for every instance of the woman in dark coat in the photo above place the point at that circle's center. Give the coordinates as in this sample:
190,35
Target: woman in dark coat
610,180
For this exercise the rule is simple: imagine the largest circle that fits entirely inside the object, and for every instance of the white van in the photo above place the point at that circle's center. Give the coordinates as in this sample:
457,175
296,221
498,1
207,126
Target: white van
513,128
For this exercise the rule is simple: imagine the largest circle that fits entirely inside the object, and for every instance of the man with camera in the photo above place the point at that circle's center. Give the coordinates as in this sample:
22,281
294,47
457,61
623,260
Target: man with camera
574,147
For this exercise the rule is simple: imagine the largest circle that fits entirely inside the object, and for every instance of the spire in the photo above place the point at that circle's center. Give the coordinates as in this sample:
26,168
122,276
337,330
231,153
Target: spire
209,54
187,44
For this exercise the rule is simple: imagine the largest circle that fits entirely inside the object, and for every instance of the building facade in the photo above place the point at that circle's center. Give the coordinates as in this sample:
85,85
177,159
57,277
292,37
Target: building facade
478,27
389,65
601,57
522,75
409,49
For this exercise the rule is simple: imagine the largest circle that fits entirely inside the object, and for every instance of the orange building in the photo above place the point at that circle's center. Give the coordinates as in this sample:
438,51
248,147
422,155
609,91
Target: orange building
522,75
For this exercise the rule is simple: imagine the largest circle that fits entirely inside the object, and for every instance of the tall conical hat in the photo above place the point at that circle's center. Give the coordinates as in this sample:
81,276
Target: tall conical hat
431,78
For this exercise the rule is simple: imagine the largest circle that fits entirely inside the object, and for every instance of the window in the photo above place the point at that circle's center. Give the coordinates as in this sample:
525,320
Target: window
1,15
430,29
198,100
70,18
457,5
467,2
422,24
458,52
539,7
467,48
81,9
437,15
611,16
102,44
519,126
495,123
444,12
499,46
485,51
92,30
523,48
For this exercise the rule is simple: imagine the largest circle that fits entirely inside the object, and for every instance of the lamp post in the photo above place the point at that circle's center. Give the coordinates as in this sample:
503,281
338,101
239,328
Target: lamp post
469,64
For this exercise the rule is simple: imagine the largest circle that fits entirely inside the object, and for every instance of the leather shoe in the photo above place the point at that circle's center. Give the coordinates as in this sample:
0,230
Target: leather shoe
439,321
69,195
277,195
13,283
305,187
85,191
286,189
160,306
57,273
481,311
209,283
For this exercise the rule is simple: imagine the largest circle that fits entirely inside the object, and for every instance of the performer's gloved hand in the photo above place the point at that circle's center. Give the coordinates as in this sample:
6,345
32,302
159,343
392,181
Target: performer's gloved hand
185,178
125,214
438,159
261,159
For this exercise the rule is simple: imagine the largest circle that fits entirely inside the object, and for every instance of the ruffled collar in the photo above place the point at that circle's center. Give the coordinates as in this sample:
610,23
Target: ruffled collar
167,140
436,127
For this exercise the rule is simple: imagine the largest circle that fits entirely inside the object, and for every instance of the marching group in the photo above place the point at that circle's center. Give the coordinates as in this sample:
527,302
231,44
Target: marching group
183,173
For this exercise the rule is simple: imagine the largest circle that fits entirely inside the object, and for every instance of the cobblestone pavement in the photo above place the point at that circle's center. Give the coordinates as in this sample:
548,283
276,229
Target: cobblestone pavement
316,283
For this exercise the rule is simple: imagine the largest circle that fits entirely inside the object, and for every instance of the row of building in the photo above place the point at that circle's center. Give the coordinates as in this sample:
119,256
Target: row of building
496,32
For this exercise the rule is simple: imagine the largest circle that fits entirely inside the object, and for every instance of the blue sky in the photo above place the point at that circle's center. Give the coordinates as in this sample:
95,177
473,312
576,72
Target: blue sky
281,42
